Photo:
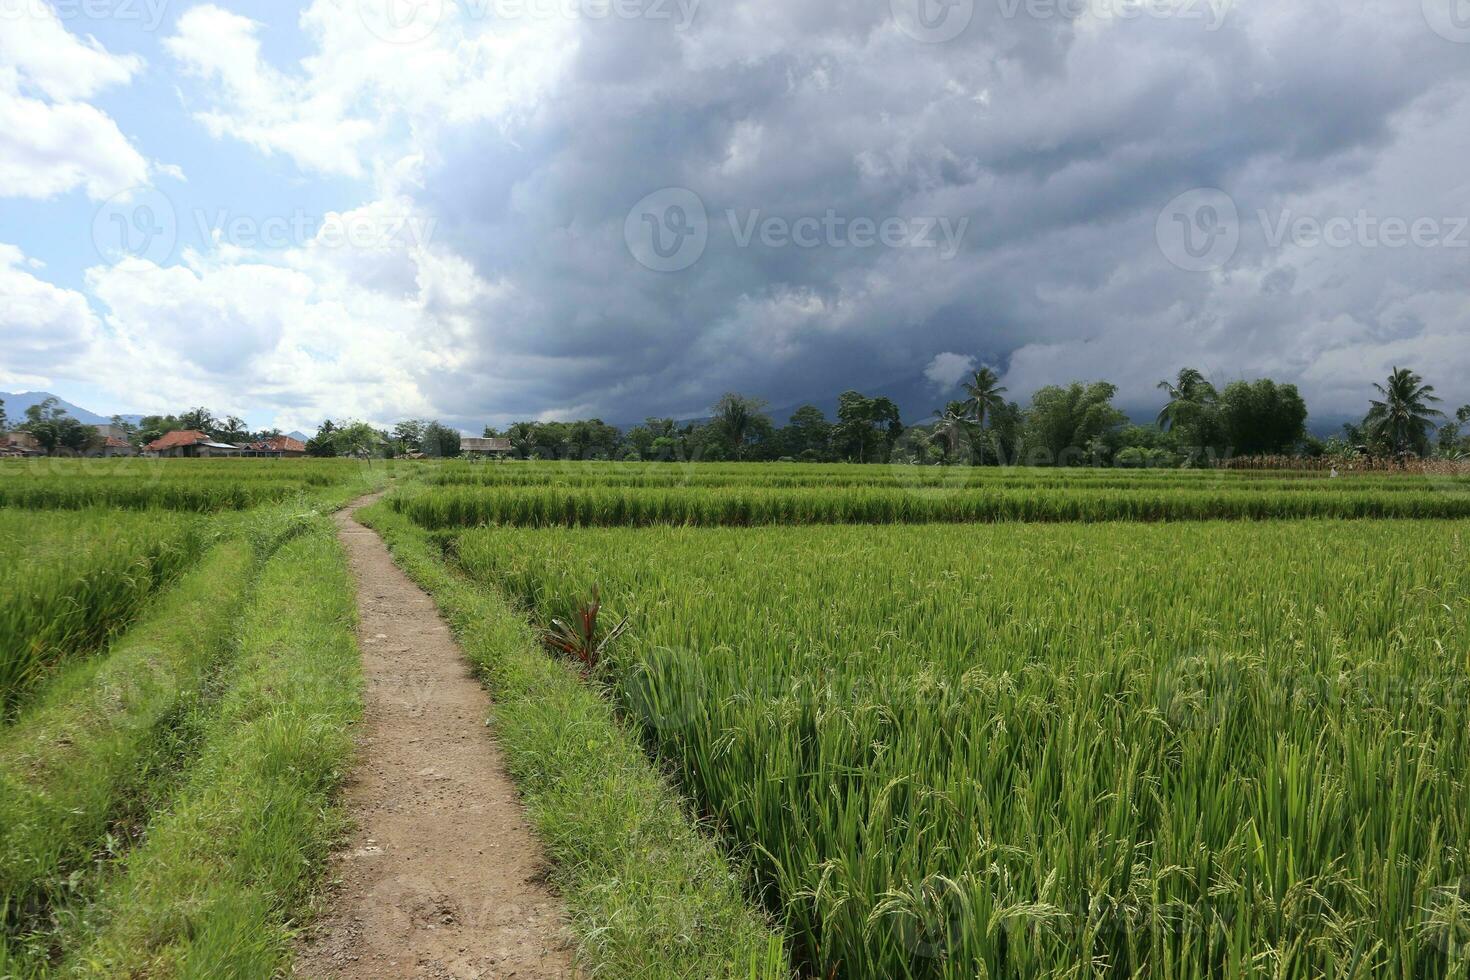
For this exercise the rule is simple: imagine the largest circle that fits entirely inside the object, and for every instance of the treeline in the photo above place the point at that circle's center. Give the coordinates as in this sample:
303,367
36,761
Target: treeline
1062,425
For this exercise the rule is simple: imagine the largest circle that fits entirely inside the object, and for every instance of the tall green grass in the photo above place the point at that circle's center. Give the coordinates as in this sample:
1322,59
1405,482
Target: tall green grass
71,582
1184,751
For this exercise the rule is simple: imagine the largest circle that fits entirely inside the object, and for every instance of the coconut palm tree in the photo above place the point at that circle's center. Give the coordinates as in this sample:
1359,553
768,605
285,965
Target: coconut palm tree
1189,395
951,432
1402,419
985,396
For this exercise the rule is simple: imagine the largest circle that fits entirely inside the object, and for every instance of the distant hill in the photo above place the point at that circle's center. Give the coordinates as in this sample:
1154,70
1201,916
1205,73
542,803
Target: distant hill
16,404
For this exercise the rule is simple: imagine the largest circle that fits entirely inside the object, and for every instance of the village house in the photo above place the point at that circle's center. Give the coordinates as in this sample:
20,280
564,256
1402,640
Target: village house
485,448
19,444
191,444
278,447
112,446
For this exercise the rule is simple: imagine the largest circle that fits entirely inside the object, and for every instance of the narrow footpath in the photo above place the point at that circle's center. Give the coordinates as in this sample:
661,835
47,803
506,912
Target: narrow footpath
443,877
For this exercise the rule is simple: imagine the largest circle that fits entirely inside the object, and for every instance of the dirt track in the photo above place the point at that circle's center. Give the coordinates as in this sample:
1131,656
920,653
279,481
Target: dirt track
443,876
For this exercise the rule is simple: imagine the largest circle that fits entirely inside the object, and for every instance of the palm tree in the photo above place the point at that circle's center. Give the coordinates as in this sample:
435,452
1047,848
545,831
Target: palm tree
985,396
951,431
1402,420
1188,396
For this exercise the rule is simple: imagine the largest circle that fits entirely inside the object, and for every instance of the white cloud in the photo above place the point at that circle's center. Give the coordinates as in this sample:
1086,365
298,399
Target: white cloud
48,149
46,330
358,103
51,139
326,330
948,369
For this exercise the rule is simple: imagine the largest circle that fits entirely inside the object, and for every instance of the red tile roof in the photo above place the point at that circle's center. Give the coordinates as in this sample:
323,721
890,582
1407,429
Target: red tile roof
113,442
280,444
186,437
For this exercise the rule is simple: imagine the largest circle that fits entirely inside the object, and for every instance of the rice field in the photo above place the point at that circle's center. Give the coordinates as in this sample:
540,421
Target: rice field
73,581
127,593
1074,744
935,724
594,506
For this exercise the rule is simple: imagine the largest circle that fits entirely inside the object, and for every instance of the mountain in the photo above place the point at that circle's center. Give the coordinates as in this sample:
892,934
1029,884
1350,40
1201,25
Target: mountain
16,404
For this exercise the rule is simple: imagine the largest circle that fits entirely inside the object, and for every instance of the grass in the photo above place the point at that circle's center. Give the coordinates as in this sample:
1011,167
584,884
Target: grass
1182,751
649,896
225,868
74,581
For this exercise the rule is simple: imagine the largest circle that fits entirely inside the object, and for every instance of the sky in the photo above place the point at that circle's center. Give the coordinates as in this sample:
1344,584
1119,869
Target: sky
493,210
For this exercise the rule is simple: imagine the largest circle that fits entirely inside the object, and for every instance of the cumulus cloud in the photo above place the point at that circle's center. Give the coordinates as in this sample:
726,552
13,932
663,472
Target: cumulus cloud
51,139
947,370
46,329
334,328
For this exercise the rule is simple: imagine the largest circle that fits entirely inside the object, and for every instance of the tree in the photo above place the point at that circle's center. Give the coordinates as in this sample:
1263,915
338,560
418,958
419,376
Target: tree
984,393
1401,421
232,430
2,415
1192,413
199,420
951,433
128,429
359,440
866,427
983,404
54,430
808,436
739,422
1262,418
440,441
409,435
1072,425
1452,442
324,443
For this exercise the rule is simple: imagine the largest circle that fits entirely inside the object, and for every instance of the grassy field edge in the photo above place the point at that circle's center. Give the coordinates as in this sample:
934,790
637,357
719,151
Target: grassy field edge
649,895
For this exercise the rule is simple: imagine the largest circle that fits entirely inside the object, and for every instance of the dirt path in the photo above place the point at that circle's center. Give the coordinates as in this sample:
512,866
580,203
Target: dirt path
443,877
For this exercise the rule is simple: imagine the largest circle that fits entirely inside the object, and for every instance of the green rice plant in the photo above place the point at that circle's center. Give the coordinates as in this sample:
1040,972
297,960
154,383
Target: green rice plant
72,582
81,767
1197,750
224,868
604,506
174,484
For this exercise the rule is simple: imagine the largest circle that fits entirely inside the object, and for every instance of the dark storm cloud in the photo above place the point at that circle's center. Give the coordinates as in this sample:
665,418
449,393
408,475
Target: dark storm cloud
1056,143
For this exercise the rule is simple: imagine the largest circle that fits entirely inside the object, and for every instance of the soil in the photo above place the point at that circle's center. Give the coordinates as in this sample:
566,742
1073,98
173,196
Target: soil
442,876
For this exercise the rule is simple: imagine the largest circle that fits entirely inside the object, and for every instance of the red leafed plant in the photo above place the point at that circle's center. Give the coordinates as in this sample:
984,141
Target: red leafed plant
579,640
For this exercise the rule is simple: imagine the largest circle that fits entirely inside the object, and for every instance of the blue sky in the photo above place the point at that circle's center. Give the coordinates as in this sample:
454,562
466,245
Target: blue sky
487,210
